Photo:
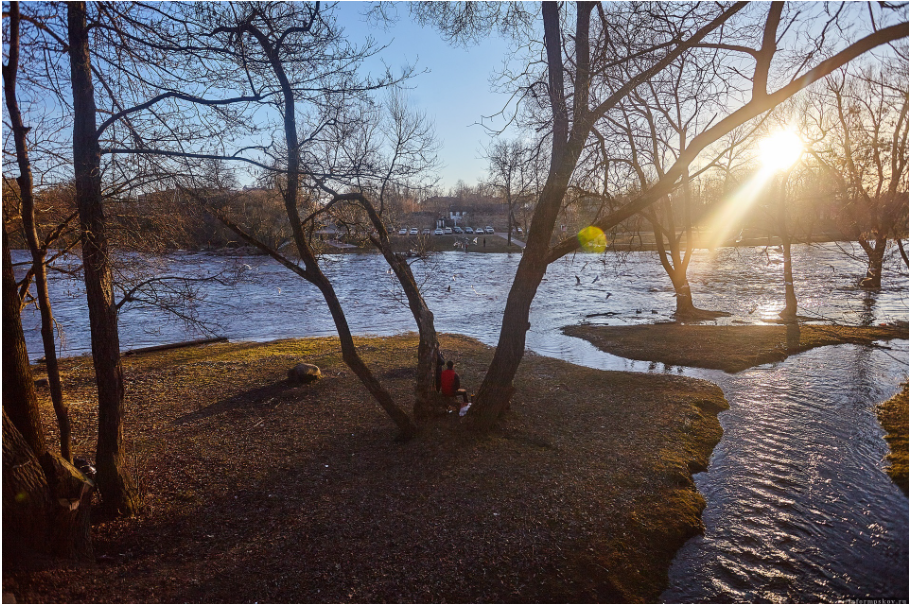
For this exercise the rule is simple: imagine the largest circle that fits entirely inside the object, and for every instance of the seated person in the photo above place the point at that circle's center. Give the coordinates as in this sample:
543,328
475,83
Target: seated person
451,383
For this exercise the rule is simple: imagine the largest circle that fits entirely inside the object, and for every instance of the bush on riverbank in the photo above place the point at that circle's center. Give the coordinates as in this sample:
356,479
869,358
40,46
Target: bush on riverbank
257,489
894,417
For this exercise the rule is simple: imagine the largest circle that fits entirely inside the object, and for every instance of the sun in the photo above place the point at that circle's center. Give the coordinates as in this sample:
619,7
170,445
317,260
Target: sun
780,150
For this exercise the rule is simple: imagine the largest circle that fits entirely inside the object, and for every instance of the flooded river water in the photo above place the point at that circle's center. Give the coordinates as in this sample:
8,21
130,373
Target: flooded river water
798,504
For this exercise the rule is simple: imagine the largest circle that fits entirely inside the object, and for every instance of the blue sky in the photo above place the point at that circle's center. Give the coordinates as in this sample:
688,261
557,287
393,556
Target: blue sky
455,91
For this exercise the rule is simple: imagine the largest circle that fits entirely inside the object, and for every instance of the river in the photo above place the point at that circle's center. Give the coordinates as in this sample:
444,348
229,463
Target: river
798,504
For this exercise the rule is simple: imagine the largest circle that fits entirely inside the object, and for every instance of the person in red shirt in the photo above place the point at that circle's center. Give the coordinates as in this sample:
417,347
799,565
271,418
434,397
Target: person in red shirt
451,383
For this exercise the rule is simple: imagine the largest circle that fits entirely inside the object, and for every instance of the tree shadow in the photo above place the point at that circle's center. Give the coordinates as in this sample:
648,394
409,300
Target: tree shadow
266,396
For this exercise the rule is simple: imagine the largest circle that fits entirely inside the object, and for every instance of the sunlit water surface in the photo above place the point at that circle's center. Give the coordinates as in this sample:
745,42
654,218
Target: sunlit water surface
798,504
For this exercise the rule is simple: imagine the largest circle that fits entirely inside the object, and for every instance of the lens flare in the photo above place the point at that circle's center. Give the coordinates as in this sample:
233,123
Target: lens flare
593,240
780,151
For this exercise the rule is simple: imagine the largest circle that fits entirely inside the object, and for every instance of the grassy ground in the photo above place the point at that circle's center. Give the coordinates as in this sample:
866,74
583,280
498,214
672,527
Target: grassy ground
894,416
731,348
257,490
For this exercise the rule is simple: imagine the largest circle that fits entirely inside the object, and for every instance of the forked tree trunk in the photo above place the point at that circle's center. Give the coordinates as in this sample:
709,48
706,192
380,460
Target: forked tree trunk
10,72
428,347
875,252
313,272
117,492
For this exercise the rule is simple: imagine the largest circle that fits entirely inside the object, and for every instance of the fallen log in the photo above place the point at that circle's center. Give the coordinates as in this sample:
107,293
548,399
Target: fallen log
175,345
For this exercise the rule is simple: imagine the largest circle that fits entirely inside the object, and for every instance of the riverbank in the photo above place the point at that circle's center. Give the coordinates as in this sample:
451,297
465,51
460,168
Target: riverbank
894,417
259,490
731,348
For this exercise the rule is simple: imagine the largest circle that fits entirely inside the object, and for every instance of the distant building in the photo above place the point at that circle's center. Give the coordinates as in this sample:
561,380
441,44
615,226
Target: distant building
457,216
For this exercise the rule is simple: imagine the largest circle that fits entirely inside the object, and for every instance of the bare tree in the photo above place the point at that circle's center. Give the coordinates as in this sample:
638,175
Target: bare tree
35,481
118,493
576,97
511,171
37,248
866,148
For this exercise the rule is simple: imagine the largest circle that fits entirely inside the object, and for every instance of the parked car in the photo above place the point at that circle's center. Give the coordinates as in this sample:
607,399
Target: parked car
448,230
478,230
469,231
520,231
458,231
490,230
403,231
427,231
414,231
438,232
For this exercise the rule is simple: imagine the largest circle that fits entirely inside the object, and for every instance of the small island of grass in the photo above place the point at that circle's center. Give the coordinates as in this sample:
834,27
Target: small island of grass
731,348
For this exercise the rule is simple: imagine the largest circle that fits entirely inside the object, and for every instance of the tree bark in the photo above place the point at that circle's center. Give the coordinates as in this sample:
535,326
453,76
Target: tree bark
20,400
684,304
39,270
46,504
903,254
875,253
118,494
26,496
790,310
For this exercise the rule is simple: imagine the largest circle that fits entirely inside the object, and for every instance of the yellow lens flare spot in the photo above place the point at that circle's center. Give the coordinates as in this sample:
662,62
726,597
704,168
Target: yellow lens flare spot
592,240
21,497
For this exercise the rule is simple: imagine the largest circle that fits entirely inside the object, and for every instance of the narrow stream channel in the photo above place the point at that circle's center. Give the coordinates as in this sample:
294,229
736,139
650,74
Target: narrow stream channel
798,505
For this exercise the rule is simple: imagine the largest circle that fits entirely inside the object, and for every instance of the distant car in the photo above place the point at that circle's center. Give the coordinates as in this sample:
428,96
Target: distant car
414,231
448,230
403,231
490,230
520,231
438,232
427,231
478,230
459,230
469,231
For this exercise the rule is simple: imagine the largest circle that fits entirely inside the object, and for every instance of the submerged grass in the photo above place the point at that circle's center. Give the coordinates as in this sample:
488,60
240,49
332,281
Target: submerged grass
894,417
259,490
731,348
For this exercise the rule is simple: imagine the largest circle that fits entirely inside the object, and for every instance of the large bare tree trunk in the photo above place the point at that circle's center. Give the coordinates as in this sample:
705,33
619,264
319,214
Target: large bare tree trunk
497,388
27,503
20,400
10,72
117,492
46,501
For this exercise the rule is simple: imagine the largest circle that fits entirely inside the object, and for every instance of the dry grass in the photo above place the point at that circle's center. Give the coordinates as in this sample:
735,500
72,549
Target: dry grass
894,416
260,491
730,348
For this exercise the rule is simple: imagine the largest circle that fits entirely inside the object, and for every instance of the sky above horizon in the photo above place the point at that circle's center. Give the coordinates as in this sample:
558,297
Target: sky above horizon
453,86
